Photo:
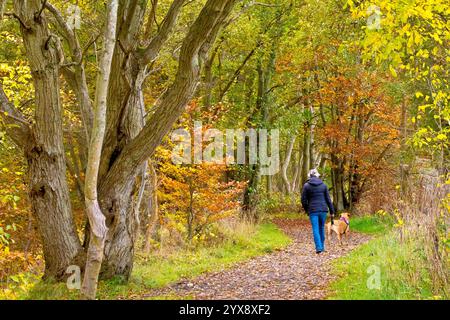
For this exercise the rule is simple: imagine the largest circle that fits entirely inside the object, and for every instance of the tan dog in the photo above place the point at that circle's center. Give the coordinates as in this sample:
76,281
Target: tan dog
341,227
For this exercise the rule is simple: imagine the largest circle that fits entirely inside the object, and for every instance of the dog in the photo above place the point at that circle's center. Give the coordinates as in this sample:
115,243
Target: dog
340,227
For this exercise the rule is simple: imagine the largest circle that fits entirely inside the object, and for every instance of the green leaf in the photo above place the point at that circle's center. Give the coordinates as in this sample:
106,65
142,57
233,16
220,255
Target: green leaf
393,72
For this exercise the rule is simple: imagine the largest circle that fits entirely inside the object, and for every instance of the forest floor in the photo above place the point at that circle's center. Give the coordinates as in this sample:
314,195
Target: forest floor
295,272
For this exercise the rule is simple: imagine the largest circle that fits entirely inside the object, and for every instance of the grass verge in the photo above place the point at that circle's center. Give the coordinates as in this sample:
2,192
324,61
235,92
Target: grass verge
385,268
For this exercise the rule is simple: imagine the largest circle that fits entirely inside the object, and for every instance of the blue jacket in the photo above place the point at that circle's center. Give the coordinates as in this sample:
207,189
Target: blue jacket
315,196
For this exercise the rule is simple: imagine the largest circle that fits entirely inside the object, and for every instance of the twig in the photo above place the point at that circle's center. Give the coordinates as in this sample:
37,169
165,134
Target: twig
12,14
37,17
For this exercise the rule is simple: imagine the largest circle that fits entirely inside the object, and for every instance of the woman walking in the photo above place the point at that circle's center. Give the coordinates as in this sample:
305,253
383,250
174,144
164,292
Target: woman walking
316,202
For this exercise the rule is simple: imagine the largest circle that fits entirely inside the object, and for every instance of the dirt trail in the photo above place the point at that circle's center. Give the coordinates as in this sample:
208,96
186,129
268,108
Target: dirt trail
292,273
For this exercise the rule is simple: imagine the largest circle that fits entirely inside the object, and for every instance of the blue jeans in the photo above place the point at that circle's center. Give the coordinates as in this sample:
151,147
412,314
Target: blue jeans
318,226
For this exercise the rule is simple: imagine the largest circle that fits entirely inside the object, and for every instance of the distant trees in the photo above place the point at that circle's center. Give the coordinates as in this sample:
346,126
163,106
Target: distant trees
303,74
361,132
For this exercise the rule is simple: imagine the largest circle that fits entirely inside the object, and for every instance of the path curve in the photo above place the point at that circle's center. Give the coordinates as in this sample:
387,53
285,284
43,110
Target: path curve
295,272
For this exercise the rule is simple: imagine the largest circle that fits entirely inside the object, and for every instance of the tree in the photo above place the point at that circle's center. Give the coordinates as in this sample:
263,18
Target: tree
128,142
197,196
360,133
42,142
116,183
94,213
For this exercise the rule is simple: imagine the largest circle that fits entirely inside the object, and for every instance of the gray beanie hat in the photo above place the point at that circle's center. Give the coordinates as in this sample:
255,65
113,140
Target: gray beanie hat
313,173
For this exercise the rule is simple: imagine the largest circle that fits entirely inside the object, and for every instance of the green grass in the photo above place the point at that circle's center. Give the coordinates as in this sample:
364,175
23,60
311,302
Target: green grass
157,271
370,224
402,270
401,265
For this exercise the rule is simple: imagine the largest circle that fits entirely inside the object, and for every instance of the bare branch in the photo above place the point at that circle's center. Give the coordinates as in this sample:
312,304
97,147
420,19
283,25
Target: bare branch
151,19
22,23
76,77
38,14
152,50
68,33
237,72
262,4
17,128
90,43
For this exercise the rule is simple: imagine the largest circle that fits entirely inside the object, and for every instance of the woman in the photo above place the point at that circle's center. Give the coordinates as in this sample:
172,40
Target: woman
316,202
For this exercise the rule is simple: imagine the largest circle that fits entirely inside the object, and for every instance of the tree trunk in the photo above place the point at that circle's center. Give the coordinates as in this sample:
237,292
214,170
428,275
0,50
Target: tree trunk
152,209
190,214
125,121
94,213
312,126
269,184
289,186
48,189
338,184
250,195
306,154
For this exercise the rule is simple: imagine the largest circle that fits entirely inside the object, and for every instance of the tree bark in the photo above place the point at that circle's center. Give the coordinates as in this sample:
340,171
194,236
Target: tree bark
75,75
94,213
306,153
289,186
48,189
250,195
340,201
152,209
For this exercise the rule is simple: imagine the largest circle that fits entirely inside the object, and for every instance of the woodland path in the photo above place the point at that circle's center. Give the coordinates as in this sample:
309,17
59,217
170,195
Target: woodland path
295,272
